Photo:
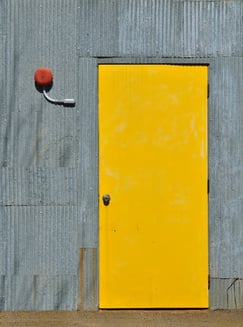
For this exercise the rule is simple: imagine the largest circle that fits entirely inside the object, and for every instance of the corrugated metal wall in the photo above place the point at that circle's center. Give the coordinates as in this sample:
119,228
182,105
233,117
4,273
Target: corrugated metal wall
45,213
168,28
48,153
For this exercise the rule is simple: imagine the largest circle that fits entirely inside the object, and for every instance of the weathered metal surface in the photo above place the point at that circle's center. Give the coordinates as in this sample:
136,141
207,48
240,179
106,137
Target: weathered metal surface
88,286
225,166
226,293
48,153
40,159
40,256
2,48
2,292
88,196
90,279
161,28
39,186
41,292
33,131
41,240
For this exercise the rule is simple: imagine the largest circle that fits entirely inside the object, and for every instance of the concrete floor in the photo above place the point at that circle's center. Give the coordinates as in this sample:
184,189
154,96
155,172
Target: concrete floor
126,318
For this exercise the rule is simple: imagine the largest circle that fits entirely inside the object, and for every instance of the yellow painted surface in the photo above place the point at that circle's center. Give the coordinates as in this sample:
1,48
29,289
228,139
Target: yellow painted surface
153,236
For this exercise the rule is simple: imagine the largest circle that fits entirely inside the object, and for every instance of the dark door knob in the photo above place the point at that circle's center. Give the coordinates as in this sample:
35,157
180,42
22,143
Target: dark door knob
106,199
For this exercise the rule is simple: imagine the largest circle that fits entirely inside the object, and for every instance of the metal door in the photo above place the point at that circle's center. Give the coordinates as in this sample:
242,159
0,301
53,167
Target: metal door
153,224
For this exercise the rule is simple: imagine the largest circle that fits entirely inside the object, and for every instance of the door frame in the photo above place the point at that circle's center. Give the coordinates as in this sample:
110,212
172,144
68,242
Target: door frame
156,61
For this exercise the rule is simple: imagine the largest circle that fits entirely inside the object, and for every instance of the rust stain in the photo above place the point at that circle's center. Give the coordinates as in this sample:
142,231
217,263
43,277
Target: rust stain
81,260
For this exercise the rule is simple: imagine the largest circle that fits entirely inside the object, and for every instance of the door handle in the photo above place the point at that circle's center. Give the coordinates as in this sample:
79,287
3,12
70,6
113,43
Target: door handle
106,199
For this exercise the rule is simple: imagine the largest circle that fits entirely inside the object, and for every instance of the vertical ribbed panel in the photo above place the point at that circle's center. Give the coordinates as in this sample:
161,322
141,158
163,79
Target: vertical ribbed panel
48,153
161,28
3,258
146,27
90,279
2,292
88,149
208,28
39,151
98,30
2,53
41,240
39,186
226,293
40,292
226,167
35,132
41,245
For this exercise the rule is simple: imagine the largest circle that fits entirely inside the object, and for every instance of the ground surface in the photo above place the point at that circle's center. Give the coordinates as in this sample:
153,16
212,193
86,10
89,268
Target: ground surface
123,318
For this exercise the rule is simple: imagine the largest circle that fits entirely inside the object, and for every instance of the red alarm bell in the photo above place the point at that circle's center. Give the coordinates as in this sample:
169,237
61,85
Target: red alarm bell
43,77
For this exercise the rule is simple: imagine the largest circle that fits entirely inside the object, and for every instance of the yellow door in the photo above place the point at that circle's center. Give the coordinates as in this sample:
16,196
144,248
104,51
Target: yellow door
153,225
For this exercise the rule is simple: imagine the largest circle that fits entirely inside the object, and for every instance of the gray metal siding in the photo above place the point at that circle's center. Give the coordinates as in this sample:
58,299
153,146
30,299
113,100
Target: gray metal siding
168,28
39,35
41,219
226,293
39,186
41,249
49,154
225,167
